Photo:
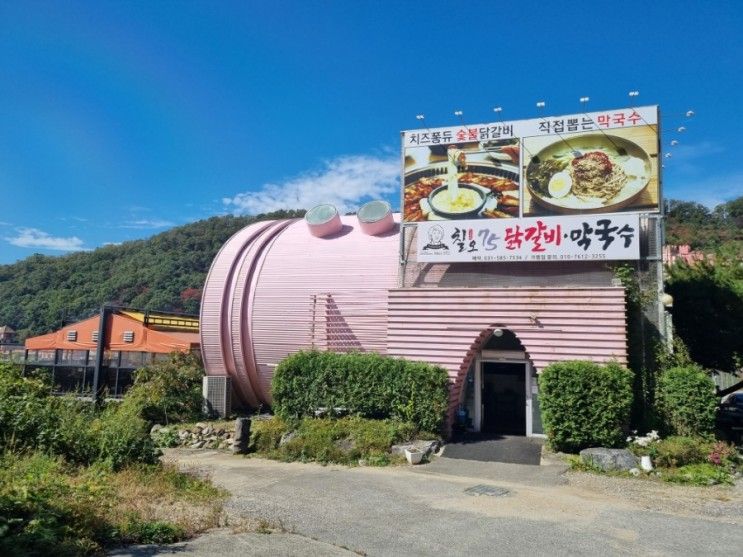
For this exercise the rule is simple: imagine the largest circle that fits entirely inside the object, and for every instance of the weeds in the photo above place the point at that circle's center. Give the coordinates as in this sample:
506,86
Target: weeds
328,440
50,507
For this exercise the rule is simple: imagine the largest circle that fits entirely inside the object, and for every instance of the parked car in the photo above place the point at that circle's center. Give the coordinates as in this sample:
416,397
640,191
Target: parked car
730,417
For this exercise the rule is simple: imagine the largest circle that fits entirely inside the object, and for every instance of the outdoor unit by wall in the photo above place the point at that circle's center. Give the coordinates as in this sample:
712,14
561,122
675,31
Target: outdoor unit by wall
217,391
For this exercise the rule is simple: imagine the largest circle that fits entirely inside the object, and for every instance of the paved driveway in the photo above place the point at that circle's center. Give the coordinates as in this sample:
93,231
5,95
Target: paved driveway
428,510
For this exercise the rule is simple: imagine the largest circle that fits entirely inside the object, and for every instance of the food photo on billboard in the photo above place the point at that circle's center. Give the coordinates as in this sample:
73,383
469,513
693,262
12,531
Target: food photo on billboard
464,180
611,167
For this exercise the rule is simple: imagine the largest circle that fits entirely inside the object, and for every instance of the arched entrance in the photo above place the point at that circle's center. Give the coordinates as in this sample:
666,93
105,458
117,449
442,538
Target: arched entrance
501,394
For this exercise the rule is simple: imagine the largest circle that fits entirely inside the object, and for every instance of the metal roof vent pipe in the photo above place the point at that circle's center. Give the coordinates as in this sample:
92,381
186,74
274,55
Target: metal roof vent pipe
375,218
323,220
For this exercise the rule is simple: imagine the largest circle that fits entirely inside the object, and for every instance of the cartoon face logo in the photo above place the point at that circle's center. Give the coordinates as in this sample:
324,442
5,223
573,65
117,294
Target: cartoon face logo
435,235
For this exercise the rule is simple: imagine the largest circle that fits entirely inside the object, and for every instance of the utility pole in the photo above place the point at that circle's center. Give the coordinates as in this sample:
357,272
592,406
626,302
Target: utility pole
103,320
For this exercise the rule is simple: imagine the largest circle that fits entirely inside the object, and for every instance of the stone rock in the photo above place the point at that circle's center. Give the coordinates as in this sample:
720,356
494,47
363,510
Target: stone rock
286,437
635,471
155,428
184,434
220,431
609,459
242,436
426,447
347,444
201,425
208,430
197,445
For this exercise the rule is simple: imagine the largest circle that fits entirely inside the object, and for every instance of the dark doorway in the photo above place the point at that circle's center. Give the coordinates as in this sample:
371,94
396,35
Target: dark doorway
503,398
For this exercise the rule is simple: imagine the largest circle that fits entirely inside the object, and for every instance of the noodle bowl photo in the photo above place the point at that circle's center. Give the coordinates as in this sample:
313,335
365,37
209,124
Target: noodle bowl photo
594,172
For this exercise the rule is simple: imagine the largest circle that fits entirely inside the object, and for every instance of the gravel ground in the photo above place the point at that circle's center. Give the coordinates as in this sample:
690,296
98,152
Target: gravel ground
431,510
721,502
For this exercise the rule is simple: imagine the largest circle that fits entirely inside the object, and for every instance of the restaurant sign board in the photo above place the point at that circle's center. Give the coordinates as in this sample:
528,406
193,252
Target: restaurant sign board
564,238
588,163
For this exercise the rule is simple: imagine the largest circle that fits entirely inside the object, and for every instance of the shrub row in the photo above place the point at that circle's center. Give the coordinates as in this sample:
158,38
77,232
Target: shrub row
585,404
365,384
687,401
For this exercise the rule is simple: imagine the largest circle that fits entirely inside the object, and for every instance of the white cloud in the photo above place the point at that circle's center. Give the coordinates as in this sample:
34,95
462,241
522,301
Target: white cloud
147,223
35,238
344,182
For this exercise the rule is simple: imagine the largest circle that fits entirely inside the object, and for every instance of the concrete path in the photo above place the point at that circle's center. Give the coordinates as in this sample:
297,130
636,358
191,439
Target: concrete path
434,509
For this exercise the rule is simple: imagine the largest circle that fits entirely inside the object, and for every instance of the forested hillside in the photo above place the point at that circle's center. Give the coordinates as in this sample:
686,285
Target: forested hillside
702,228
164,272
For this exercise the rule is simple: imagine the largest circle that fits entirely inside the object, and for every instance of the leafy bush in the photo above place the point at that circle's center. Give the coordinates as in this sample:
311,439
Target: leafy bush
585,404
123,437
723,454
708,303
677,451
169,391
343,440
265,435
366,384
32,419
686,401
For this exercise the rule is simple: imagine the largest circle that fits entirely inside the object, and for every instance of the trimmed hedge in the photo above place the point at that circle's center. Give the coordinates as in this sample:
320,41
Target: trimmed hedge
687,401
585,404
364,384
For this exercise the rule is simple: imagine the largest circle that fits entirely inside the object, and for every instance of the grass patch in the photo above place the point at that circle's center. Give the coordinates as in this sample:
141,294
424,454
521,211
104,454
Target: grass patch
50,507
327,440
698,474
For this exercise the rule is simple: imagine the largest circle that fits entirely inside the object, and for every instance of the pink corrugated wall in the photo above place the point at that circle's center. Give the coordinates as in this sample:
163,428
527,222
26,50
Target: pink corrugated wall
444,325
274,289
351,265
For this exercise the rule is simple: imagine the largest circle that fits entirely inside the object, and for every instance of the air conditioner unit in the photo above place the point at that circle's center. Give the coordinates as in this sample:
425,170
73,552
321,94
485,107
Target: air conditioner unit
128,336
217,392
71,336
94,336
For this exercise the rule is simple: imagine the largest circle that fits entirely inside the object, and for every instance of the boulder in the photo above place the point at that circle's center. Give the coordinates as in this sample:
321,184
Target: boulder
242,436
609,459
426,447
208,430
197,445
286,437
155,428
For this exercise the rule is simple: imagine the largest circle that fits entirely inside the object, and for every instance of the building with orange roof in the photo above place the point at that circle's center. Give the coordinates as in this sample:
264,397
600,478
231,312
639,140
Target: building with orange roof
101,353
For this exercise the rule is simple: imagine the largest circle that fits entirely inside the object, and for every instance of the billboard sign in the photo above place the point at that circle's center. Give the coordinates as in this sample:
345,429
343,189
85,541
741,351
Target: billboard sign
564,238
590,163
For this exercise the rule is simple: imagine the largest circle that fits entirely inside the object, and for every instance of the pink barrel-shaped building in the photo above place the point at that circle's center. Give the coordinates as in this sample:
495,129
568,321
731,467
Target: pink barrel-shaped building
340,283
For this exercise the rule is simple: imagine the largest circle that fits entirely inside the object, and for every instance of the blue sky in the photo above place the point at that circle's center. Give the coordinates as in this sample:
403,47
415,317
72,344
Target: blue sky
121,119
